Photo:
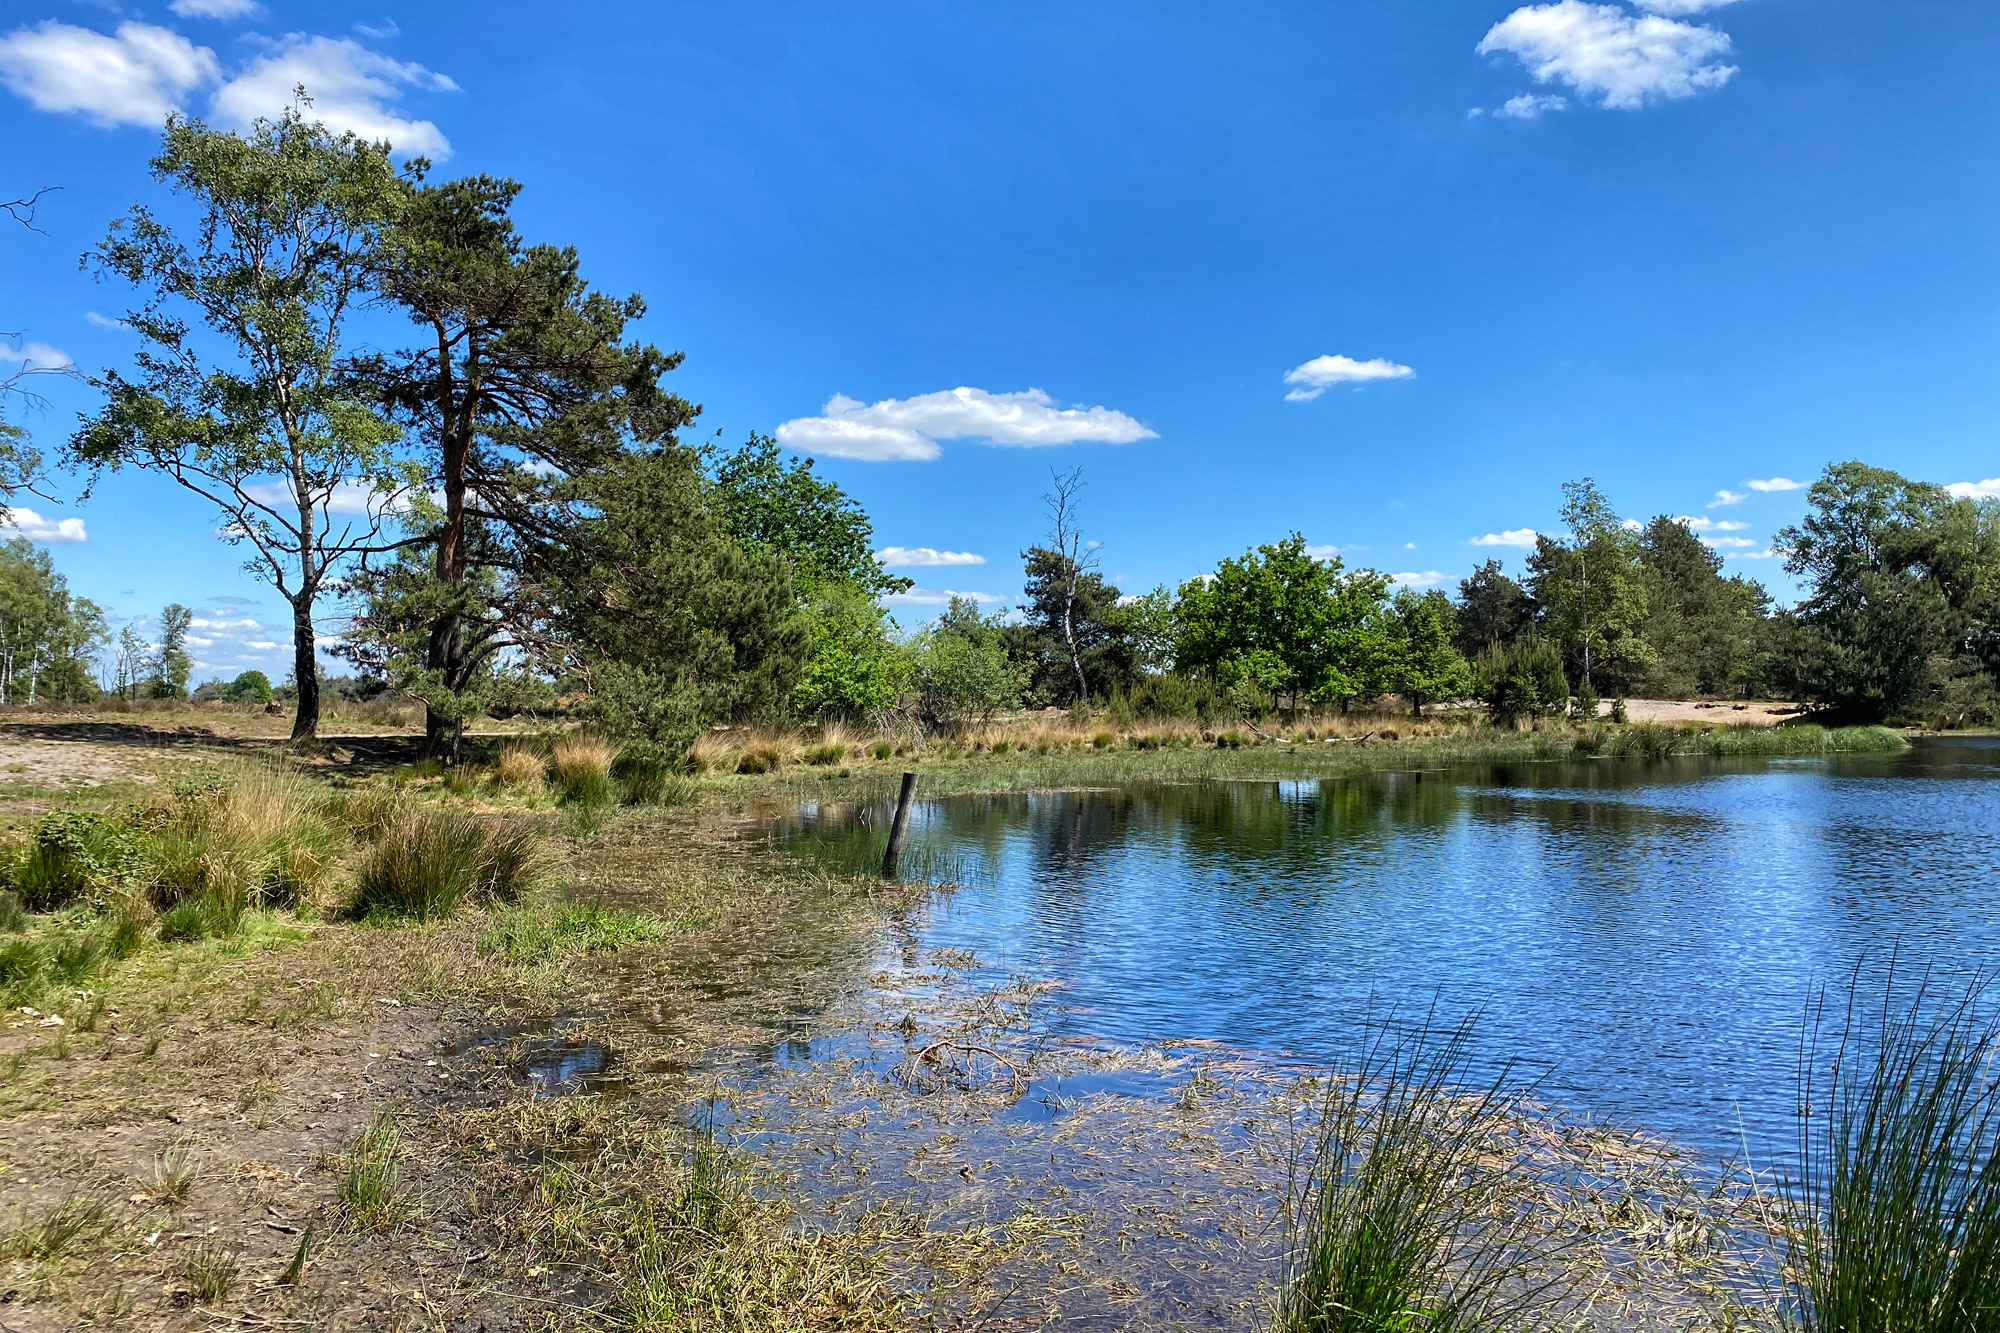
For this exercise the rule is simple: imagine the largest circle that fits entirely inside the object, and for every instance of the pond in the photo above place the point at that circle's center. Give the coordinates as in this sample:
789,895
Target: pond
1646,937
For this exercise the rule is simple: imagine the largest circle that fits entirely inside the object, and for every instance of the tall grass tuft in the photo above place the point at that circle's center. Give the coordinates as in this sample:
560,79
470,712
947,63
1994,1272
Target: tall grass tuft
371,1188
582,767
430,861
648,779
1895,1222
519,766
1401,1214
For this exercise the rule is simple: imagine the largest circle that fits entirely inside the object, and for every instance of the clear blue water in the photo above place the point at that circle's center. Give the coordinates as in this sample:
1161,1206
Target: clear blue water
1645,936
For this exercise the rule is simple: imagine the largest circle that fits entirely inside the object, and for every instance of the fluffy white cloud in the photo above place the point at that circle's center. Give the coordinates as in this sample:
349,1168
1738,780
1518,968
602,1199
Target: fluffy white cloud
905,429
1429,578
216,9
1765,554
1531,106
1976,490
1695,524
1521,537
1622,60
262,645
919,557
1729,543
351,88
18,522
35,356
1727,498
134,77
1321,373
204,622
1769,484
940,597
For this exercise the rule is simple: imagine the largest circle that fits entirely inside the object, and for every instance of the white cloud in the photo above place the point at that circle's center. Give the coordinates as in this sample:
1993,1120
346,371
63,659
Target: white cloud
1765,554
1727,498
351,88
905,429
1429,578
203,622
1622,60
1729,543
348,499
1632,525
216,9
1327,550
917,557
1409,546
381,32
1769,484
18,522
1694,524
35,356
1531,106
1976,490
1680,8
263,645
104,321
1316,376
1521,537
132,78
940,597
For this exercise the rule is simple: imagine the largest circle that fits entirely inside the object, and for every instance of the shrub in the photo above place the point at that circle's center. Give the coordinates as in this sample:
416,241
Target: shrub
1102,740
74,853
430,861
1229,740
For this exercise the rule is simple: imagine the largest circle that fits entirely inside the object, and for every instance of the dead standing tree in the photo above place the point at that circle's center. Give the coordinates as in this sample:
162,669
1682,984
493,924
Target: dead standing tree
1078,558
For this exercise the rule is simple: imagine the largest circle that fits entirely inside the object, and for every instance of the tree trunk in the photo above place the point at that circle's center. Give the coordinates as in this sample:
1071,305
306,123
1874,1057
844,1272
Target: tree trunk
445,654
305,669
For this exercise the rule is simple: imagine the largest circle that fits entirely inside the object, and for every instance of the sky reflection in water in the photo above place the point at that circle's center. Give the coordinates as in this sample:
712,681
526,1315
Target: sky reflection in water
1647,934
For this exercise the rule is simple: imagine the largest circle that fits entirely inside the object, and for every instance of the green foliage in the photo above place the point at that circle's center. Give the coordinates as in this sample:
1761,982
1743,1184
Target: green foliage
852,666
959,667
1589,592
1493,611
430,861
1903,595
171,663
371,1190
1417,659
74,854
1525,680
1285,621
252,687
1705,629
774,503
1063,600
46,636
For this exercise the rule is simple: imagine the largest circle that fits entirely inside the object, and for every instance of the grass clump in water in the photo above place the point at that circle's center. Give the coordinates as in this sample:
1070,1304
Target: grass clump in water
430,861
536,934
1401,1215
1895,1220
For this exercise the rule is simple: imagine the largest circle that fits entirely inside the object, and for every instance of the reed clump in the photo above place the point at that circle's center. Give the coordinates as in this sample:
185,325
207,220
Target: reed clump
582,766
429,862
1402,1213
1895,1216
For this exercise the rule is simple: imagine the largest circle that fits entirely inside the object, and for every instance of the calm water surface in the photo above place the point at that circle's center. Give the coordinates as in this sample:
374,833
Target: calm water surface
1647,934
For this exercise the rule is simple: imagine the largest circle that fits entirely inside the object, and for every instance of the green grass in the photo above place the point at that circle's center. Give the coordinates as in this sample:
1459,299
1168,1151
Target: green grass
61,1229
428,862
1401,1215
1895,1224
371,1188
210,1271
538,933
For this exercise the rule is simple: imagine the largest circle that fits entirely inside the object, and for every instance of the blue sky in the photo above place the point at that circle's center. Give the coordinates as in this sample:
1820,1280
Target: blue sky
1681,247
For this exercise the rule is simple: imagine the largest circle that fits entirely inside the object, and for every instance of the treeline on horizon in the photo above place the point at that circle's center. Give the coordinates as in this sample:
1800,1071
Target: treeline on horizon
506,506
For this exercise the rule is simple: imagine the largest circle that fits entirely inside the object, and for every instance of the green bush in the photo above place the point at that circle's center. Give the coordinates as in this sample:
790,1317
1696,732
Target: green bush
74,854
431,861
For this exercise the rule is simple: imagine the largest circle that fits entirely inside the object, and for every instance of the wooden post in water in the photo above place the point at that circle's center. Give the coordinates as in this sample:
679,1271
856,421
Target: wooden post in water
900,828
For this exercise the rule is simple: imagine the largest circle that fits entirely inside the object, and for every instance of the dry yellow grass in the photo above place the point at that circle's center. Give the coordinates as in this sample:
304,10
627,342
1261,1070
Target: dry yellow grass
581,757
521,767
712,749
